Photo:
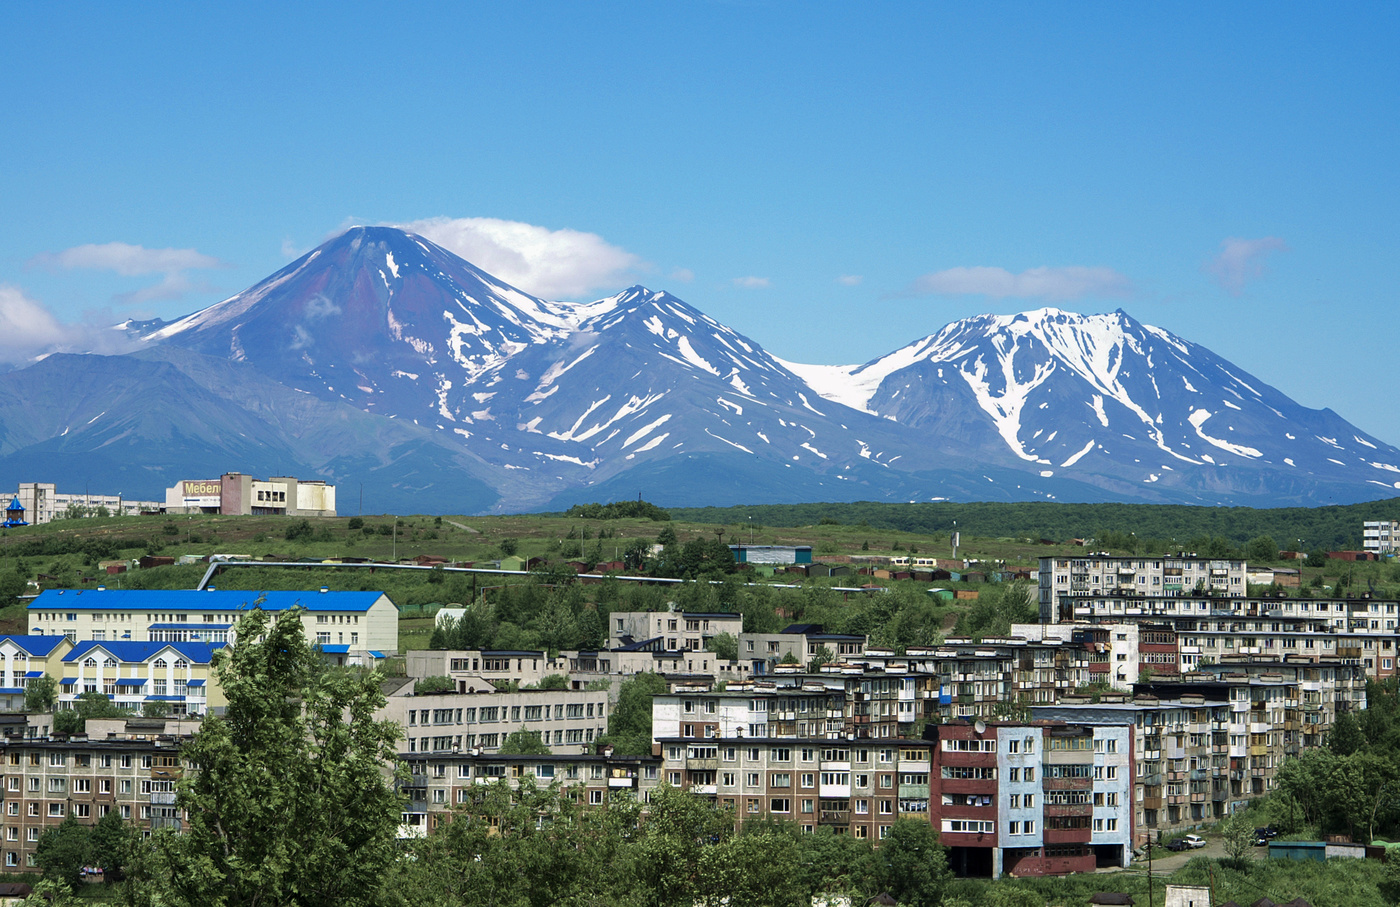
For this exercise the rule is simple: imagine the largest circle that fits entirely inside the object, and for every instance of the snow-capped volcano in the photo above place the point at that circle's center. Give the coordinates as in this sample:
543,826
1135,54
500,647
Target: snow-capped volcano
1104,394
383,358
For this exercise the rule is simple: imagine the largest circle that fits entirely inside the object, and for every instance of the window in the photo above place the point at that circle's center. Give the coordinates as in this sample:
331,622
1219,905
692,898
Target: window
781,805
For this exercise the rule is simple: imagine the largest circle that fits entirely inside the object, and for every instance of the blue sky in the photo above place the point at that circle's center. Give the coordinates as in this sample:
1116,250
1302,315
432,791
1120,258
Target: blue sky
832,180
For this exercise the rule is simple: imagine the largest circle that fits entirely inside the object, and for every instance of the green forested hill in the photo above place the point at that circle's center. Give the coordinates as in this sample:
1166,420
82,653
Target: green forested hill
1291,527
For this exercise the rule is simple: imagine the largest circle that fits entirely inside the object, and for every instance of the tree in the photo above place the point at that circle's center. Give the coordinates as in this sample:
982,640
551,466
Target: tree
110,843
1261,548
1238,833
63,851
553,682
523,743
287,800
913,865
725,646
1345,737
629,725
41,695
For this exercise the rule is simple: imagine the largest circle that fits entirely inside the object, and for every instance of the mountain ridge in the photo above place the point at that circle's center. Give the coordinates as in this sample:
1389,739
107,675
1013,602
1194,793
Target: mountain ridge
380,347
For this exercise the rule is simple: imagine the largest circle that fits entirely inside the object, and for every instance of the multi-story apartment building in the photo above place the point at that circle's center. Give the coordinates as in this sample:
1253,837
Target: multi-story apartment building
1069,578
1362,629
470,668
43,503
1208,742
443,784
1380,536
856,787
676,630
568,721
762,653
179,675
24,659
359,621
128,766
1032,798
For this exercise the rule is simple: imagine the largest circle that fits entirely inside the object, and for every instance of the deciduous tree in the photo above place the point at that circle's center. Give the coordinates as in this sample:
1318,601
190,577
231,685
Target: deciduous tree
287,797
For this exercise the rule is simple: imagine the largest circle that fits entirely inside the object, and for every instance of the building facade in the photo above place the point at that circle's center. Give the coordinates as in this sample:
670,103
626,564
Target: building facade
43,503
235,493
1380,536
1068,578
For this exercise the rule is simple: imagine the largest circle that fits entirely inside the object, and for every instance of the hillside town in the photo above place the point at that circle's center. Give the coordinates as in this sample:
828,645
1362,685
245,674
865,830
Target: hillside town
1155,696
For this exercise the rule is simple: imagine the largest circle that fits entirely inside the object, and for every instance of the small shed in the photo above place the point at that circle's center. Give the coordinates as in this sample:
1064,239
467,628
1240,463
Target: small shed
1298,850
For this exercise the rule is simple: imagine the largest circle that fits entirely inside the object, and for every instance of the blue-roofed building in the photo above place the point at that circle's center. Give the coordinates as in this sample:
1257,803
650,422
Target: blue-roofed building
22,660
131,674
358,620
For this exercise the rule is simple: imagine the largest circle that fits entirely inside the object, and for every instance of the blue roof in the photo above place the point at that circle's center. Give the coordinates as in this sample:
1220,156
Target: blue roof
36,645
131,682
129,651
194,600
194,683
190,627
165,698
29,674
15,504
11,690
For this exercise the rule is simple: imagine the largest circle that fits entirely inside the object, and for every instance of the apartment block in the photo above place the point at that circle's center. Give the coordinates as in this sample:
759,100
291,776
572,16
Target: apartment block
24,659
1160,577
1380,536
568,721
675,630
179,676
1363,629
445,784
1032,799
853,787
131,768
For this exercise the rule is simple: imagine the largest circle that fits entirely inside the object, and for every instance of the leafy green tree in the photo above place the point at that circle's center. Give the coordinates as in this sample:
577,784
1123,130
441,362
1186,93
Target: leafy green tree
287,800
63,851
674,853
629,725
912,864
725,646
1238,834
553,682
1261,549
509,547
110,842
1345,737
523,743
41,695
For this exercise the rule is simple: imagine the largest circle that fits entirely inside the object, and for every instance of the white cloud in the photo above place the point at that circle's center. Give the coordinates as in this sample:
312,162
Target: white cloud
136,261
682,275
1242,260
1062,283
751,283
28,327
849,280
554,264
126,259
30,330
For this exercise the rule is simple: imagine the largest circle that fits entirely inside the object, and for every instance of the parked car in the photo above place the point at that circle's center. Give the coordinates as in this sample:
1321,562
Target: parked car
1194,842
1261,841
1177,845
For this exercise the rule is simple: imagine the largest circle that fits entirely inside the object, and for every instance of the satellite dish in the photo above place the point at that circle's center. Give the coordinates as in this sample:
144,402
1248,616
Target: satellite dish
980,726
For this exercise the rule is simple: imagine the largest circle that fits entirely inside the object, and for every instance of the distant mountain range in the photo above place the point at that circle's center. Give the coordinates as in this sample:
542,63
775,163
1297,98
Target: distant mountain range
384,360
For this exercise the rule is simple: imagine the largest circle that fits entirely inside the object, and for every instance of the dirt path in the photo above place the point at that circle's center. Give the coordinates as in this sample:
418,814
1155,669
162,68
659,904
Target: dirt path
460,526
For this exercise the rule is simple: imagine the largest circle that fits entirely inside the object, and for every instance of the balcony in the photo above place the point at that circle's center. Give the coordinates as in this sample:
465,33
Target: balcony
834,817
1069,809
